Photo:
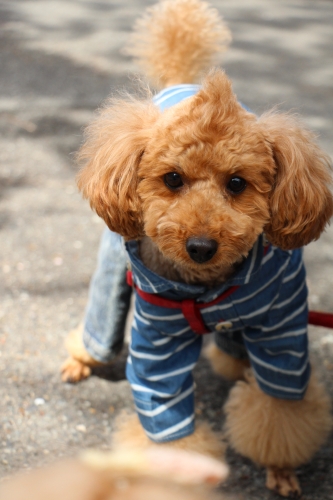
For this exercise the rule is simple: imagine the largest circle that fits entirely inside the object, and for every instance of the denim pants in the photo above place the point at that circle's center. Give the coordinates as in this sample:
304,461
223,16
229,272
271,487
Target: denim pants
108,302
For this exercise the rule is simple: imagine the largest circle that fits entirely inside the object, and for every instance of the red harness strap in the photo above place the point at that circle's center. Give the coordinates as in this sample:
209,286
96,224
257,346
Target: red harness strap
189,307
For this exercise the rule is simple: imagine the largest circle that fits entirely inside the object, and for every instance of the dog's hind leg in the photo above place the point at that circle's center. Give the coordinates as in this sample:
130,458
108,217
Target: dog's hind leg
276,433
225,365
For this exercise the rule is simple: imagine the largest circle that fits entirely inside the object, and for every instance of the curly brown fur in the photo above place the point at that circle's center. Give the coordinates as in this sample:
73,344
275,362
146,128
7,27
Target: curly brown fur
301,201
114,145
175,42
129,434
224,365
276,433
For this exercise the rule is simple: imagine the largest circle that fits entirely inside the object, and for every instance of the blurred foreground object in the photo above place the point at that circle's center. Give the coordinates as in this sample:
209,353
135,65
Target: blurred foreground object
163,474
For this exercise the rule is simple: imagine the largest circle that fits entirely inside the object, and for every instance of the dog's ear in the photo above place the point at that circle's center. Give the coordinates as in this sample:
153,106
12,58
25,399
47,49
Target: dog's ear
111,154
301,202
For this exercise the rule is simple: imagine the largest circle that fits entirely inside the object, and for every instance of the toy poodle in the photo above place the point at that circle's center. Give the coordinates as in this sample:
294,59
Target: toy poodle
214,204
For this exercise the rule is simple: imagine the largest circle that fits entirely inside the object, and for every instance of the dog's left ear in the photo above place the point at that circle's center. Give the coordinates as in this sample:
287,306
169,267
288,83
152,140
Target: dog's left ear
301,202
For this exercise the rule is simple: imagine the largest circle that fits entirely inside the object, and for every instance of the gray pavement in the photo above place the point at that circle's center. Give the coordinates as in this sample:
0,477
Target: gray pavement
58,60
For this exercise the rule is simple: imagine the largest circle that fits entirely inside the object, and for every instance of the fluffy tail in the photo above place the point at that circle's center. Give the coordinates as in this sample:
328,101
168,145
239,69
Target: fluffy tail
177,40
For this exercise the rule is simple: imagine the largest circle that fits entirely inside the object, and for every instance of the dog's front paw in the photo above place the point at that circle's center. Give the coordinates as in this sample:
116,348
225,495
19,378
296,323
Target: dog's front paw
74,370
283,481
78,366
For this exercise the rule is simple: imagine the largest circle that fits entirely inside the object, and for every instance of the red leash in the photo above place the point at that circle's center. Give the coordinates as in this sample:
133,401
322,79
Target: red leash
319,318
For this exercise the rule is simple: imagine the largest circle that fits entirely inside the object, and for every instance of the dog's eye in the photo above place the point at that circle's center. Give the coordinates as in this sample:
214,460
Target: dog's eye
236,185
173,180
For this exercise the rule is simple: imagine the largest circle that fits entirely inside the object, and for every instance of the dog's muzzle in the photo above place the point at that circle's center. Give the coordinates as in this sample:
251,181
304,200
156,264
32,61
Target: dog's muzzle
201,249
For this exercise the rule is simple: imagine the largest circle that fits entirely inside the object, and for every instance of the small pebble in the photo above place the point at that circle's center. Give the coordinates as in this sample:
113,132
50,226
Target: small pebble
39,402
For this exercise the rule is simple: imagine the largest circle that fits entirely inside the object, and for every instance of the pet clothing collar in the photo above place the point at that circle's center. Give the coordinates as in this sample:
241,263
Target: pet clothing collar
150,282
148,286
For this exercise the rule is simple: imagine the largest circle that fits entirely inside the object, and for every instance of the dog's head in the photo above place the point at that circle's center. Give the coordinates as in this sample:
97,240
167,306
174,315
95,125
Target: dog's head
205,178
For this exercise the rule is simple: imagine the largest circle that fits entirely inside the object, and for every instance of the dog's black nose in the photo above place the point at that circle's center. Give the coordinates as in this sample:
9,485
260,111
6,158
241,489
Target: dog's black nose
200,249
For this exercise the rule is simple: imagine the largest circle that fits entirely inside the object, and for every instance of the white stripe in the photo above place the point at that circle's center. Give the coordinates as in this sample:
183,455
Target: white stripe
145,277
294,274
157,357
176,91
288,318
279,387
169,95
140,318
172,94
248,297
185,344
163,341
179,86
285,302
174,316
268,283
170,336
216,308
162,318
291,353
138,280
180,332
268,256
162,93
171,430
255,313
166,406
273,368
162,376
295,333
254,256
142,388
259,311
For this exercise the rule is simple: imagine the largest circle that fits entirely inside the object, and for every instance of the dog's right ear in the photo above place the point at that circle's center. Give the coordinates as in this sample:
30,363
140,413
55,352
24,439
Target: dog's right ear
115,143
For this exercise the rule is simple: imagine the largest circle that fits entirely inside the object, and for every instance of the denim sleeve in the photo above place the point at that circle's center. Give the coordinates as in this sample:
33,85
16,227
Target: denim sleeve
277,341
108,302
159,370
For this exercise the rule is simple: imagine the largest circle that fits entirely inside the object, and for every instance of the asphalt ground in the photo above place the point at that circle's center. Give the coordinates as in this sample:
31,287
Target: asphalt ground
58,61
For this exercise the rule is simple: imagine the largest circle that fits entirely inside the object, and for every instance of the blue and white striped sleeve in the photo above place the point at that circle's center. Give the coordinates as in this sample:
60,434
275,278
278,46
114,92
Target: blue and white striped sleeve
278,346
159,369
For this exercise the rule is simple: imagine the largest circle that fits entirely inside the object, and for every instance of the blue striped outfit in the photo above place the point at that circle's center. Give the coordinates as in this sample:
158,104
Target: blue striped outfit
267,318
175,94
